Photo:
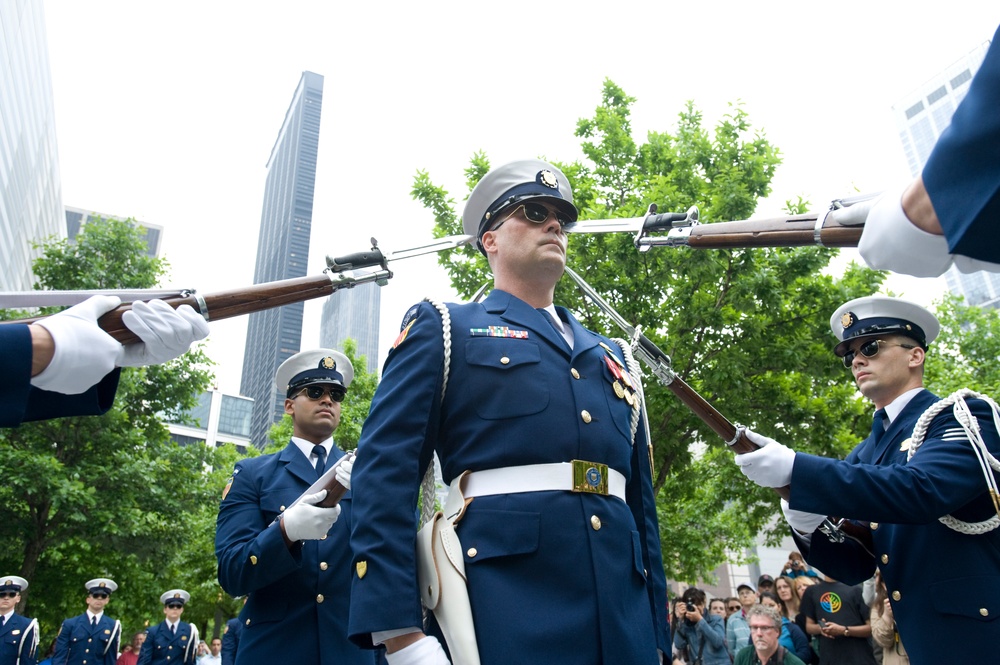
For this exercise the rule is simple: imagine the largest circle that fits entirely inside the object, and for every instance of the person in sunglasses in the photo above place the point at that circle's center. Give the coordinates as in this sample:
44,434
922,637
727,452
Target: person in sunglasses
92,637
558,572
171,640
921,482
293,561
18,634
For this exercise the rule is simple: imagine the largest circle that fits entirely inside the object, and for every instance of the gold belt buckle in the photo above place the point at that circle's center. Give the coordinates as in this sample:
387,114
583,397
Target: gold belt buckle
590,477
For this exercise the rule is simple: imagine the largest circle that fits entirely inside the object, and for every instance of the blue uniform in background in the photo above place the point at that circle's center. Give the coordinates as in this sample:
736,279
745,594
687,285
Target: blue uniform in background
554,576
231,641
962,174
20,402
81,642
297,605
944,586
16,641
164,646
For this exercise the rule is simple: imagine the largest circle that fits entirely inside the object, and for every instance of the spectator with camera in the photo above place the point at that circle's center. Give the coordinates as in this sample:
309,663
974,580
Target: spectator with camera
796,567
699,634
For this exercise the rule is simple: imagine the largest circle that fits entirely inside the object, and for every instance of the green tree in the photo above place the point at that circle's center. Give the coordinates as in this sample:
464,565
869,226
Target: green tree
964,356
109,495
747,329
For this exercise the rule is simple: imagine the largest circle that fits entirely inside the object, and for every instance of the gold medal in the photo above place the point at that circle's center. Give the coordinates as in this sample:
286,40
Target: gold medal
619,391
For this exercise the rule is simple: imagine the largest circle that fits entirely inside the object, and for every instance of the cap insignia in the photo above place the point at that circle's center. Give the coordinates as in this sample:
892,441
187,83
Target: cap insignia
548,178
329,363
102,585
8,582
847,320
177,595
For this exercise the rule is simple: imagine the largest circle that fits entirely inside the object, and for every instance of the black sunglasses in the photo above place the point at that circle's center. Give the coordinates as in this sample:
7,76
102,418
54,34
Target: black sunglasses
870,349
316,392
537,214
99,596
8,594
733,608
174,606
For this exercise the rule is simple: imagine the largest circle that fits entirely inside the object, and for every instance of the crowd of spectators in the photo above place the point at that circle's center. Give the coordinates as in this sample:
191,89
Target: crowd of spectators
859,626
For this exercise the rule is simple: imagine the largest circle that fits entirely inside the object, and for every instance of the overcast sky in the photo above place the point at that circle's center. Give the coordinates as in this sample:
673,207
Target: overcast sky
167,112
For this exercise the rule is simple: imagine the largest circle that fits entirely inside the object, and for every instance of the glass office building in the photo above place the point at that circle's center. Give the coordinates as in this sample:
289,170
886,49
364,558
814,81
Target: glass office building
921,117
353,313
30,189
282,251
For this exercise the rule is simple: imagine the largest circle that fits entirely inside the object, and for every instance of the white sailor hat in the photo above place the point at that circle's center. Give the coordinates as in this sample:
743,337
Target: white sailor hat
513,183
175,596
13,583
875,316
319,366
101,585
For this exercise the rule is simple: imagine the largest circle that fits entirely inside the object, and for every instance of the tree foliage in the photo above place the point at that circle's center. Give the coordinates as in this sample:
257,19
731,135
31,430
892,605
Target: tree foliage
746,329
109,495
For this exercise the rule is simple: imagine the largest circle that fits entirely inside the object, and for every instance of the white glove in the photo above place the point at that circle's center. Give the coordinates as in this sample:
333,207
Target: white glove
165,332
890,241
771,465
84,354
342,471
307,521
802,522
425,651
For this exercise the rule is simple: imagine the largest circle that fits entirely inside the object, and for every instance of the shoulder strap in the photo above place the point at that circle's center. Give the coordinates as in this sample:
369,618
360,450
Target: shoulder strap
428,485
969,426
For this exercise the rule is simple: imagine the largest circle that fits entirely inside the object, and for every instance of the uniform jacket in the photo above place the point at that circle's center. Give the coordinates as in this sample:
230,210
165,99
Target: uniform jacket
79,642
297,607
231,641
566,577
16,641
962,174
20,402
940,582
165,647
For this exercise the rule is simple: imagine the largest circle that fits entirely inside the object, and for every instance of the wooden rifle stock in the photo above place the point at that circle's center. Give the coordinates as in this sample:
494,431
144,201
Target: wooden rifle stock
237,302
793,231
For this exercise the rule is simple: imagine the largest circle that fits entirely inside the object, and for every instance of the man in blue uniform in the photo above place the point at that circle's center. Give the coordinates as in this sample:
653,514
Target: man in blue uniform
293,561
951,212
231,641
65,365
920,484
171,640
18,634
92,637
556,573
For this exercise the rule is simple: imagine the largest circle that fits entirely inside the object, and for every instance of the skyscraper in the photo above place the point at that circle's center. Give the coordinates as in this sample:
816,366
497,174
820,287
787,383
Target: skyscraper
921,116
282,251
77,217
353,313
30,188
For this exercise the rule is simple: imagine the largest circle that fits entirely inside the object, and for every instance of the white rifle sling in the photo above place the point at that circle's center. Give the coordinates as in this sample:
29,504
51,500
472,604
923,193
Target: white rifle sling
440,560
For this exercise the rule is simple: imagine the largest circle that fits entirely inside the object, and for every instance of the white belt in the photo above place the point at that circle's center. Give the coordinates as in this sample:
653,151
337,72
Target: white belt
575,476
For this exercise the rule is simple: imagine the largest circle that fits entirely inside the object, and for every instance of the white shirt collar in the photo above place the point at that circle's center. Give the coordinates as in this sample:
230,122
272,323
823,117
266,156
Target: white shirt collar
91,616
307,448
893,408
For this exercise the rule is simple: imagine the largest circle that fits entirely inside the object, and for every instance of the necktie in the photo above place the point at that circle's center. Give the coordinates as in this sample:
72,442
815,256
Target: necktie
93,621
3,620
548,317
320,453
173,629
878,425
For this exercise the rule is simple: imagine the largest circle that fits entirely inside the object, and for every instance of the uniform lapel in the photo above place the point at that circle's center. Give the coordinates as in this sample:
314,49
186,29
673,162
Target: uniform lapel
901,428
297,464
8,626
583,340
521,314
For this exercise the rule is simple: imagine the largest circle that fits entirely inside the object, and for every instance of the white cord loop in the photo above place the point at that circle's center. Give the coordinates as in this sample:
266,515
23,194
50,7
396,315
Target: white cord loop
428,486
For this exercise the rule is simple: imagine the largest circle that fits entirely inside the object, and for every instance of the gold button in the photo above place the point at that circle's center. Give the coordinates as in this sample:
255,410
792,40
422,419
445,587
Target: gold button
323,565
885,558
323,538
282,509
586,416
86,650
896,595
595,522
90,639
983,611
472,552
248,622
253,559
873,525
576,374
319,598
505,360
